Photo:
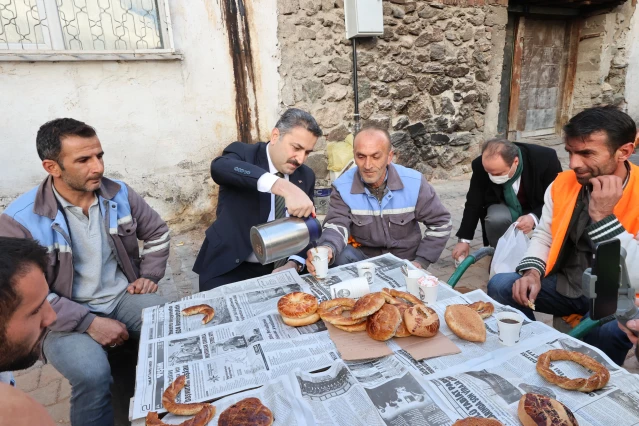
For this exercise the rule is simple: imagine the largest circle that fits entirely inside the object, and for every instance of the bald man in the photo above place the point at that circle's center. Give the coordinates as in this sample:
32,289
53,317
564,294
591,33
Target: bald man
376,208
19,409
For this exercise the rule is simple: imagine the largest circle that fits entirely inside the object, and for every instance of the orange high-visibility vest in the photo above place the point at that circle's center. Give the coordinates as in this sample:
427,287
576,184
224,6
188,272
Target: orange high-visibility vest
564,192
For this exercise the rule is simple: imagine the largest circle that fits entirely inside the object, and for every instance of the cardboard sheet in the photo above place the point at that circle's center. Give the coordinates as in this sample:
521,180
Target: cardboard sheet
358,346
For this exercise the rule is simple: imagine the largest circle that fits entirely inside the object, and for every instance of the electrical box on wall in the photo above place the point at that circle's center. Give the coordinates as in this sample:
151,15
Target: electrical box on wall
364,18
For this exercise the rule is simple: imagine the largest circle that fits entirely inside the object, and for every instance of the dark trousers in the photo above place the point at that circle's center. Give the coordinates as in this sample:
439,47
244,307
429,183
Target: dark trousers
244,271
608,337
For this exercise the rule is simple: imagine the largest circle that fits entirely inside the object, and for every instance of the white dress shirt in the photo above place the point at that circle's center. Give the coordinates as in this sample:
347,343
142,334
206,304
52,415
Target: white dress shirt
265,184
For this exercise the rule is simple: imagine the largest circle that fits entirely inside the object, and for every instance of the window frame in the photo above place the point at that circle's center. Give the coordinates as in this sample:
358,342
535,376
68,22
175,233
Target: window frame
53,48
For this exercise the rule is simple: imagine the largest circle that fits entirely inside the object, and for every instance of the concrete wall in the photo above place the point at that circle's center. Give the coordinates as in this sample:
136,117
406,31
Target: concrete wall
160,122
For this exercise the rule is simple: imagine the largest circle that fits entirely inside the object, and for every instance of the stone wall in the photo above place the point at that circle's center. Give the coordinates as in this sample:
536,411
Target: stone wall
431,78
602,60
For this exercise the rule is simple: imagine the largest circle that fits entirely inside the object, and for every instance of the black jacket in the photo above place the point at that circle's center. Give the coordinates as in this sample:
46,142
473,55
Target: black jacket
240,206
541,167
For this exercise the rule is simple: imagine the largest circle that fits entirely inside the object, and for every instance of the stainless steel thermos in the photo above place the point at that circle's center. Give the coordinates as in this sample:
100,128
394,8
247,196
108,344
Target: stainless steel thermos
283,237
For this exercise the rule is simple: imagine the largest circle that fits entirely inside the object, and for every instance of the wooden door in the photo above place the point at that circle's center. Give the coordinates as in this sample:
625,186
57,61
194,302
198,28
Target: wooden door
542,50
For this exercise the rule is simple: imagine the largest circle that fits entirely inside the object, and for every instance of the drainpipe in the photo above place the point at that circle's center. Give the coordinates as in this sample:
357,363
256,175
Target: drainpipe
355,87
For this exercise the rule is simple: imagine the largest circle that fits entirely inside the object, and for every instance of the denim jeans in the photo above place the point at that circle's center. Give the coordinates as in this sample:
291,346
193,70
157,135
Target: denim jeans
84,362
608,337
348,255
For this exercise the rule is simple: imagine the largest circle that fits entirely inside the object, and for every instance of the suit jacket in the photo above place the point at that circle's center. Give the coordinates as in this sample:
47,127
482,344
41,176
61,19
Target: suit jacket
240,206
541,167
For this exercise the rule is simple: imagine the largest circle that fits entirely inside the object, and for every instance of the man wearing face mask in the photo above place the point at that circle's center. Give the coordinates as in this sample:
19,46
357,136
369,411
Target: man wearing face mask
508,185
380,205
594,202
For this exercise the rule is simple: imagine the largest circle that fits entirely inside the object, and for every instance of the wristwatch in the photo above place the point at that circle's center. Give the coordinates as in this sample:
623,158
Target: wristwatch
298,265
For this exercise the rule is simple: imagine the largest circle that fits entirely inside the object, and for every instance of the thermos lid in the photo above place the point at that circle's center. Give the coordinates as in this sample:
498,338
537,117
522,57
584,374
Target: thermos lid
314,228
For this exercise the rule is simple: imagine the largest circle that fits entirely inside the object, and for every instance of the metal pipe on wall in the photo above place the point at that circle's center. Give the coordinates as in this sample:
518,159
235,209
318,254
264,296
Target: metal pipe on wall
356,126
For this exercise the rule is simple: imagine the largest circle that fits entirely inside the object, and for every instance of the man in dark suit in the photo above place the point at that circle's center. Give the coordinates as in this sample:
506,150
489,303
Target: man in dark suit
508,185
256,182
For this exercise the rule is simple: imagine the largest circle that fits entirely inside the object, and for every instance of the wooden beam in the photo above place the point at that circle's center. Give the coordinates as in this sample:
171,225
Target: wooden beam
571,71
513,109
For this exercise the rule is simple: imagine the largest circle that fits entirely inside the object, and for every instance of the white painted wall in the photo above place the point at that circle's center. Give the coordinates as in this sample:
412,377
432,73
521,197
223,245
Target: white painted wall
160,122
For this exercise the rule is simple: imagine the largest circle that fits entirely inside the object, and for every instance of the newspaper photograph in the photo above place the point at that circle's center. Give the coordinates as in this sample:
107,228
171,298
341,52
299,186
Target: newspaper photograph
280,395
336,398
398,397
494,388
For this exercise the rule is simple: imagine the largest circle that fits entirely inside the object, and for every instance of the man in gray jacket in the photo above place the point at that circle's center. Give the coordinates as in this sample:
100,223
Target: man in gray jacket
99,282
378,207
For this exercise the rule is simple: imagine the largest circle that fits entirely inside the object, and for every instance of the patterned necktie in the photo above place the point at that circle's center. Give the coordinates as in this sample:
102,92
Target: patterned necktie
279,213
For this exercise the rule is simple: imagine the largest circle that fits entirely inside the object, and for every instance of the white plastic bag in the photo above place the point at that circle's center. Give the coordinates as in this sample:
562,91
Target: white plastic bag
511,248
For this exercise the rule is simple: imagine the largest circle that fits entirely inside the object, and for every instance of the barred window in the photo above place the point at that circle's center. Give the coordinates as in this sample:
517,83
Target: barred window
94,26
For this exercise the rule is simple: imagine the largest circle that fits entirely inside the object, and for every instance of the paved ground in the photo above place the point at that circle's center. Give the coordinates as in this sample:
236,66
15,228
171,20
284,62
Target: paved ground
49,388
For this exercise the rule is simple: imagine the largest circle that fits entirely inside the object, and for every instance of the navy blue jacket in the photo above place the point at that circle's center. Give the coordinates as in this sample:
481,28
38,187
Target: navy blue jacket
240,206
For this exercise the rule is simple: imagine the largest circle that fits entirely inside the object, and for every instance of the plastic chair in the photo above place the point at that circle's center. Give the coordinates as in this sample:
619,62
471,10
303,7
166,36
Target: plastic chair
577,332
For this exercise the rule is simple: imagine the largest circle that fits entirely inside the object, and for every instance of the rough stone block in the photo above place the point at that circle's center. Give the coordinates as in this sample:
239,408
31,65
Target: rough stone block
318,162
380,120
338,134
400,122
416,130
288,7
342,65
399,139
440,85
390,72
306,34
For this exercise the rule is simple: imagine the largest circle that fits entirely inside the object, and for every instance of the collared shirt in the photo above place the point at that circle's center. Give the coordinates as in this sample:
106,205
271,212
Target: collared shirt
7,377
98,281
265,184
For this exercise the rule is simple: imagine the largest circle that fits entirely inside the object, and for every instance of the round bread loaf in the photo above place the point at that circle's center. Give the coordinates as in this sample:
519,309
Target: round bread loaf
297,305
477,421
300,322
540,410
249,411
367,305
383,324
421,321
465,323
402,331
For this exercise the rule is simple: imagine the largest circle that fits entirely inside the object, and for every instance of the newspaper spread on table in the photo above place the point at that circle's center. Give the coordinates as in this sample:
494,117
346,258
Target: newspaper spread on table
247,346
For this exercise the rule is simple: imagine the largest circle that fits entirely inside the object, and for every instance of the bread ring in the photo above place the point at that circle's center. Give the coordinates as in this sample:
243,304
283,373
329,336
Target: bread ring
383,324
352,328
421,321
168,400
297,305
336,316
208,312
598,380
402,331
202,418
300,322
412,300
367,305
484,309
327,305
389,299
